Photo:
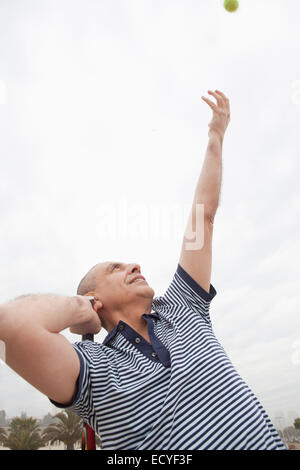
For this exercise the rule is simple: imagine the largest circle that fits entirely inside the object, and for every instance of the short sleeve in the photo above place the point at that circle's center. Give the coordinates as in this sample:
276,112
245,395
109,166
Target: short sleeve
185,292
82,402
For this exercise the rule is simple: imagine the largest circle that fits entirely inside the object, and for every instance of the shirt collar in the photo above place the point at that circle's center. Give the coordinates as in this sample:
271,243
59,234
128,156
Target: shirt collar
111,334
114,331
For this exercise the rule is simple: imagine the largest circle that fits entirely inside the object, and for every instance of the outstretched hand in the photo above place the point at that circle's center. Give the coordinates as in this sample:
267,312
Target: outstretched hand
221,113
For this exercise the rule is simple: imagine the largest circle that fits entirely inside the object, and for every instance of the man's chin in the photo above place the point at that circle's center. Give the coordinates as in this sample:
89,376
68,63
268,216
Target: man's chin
142,285
147,289
152,291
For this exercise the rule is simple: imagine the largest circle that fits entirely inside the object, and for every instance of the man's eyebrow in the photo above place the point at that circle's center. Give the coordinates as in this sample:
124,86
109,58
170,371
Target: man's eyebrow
110,266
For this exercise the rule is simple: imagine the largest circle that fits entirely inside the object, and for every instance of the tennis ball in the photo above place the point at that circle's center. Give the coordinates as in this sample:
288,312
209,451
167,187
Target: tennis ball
231,5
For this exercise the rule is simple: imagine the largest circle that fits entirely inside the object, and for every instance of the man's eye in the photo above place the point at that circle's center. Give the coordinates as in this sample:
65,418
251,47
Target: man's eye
116,266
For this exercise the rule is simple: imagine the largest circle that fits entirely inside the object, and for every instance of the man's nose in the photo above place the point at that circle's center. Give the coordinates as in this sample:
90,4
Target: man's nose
135,267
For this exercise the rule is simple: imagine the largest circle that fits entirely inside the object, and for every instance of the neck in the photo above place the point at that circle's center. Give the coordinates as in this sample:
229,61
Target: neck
132,315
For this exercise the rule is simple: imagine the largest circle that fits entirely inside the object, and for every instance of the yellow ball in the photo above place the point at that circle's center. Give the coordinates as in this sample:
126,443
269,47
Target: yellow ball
231,5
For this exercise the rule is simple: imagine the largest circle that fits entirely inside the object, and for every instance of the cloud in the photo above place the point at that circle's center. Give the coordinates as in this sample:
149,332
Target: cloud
82,89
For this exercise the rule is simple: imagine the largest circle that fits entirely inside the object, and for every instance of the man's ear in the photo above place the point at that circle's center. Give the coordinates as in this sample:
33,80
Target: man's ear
96,301
97,305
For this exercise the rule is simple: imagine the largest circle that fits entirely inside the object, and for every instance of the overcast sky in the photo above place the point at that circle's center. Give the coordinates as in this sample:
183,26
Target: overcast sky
103,136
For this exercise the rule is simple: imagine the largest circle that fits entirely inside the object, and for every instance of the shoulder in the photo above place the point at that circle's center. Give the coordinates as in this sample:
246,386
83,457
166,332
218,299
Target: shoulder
184,293
92,351
184,280
183,283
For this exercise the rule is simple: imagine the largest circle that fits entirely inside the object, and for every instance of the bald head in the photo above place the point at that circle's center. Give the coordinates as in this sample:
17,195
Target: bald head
88,282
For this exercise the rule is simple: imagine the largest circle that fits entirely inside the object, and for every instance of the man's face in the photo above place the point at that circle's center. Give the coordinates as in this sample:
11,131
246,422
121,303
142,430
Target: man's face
120,284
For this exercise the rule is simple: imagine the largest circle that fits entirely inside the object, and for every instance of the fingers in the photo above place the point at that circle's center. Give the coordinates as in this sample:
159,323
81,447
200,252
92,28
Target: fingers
210,103
92,300
226,100
221,99
218,97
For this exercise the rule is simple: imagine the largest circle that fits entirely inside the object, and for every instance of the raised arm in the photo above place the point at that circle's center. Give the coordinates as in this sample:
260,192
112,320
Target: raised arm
34,348
196,251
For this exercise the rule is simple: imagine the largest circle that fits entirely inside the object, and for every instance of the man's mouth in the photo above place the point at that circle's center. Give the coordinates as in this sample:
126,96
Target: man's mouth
138,278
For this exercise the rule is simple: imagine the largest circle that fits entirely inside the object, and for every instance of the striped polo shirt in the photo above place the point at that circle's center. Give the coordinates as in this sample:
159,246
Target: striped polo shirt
181,392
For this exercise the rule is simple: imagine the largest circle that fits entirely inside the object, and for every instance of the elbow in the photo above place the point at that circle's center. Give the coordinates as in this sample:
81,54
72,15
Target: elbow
210,206
210,213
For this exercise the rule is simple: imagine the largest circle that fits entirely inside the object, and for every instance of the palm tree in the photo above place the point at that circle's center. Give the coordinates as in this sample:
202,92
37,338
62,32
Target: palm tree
24,434
68,430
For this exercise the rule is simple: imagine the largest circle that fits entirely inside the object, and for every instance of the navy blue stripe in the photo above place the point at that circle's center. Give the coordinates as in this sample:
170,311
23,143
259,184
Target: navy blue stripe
178,392
208,296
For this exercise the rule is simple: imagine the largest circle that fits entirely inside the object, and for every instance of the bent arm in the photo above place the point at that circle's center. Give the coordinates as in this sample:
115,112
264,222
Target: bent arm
34,348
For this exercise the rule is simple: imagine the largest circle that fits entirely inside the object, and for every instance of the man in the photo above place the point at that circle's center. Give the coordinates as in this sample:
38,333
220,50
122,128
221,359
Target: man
160,379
